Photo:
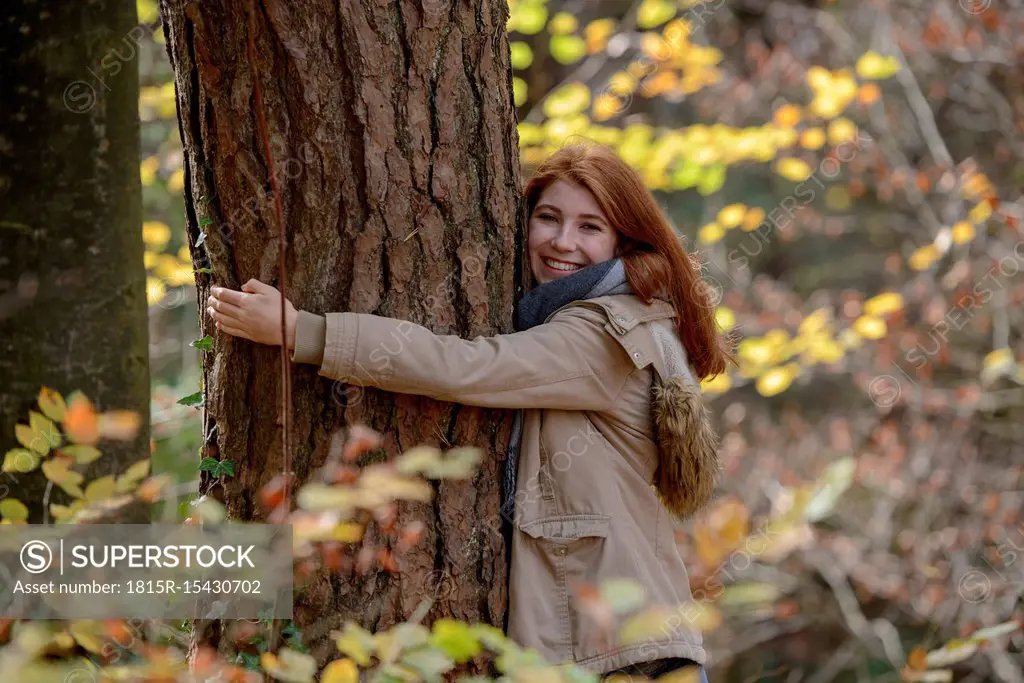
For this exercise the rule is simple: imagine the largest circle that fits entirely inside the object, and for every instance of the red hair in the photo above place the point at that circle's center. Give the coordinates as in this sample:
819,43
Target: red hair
655,261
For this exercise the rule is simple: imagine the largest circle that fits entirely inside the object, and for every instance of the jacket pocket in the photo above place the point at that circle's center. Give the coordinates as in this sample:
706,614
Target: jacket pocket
574,546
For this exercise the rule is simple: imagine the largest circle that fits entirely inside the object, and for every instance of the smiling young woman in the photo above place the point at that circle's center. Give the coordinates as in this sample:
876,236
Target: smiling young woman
603,369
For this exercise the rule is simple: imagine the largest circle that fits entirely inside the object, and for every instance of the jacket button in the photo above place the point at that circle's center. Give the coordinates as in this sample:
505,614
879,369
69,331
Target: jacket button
621,319
560,551
636,355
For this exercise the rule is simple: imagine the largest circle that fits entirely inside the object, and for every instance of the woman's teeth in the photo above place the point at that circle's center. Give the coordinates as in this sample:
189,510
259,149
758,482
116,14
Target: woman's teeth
558,265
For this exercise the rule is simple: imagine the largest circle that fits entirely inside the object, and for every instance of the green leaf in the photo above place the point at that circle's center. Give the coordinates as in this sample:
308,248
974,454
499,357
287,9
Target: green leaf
196,400
568,49
208,271
20,460
227,467
712,180
82,453
204,221
522,55
209,465
531,18
456,640
13,509
204,344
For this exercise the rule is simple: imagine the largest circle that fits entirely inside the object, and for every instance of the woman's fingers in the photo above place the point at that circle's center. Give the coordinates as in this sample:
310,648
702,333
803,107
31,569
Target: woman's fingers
233,331
225,308
229,295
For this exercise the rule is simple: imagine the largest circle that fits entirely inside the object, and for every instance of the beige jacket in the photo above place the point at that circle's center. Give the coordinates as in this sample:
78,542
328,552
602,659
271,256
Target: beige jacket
587,508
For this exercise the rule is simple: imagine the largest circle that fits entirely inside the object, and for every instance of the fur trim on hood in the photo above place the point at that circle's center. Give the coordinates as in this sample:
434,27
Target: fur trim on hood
688,465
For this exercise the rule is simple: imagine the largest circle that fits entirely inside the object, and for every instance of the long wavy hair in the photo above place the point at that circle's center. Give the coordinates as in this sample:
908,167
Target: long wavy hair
655,261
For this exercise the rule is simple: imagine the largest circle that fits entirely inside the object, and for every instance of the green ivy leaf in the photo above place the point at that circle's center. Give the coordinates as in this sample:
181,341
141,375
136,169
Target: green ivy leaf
204,344
209,465
227,467
204,221
196,400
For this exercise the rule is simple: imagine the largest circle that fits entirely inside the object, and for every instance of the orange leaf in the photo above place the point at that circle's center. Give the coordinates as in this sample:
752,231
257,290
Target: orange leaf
80,420
119,424
918,659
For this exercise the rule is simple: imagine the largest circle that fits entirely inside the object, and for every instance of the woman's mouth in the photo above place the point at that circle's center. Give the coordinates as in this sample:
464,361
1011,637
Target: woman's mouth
561,266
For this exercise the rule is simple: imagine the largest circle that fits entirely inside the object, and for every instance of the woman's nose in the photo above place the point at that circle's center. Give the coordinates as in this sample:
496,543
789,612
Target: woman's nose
562,241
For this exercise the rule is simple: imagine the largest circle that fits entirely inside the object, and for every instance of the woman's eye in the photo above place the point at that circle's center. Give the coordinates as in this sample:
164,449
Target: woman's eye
546,217
588,226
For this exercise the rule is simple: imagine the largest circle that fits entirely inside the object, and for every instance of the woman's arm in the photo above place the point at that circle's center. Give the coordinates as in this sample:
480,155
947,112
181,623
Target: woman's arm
569,363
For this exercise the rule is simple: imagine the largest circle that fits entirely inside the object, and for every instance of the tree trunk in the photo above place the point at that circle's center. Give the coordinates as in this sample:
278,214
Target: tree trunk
394,145
72,281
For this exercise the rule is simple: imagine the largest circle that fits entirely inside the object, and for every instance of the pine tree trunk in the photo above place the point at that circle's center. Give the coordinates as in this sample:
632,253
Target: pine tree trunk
72,281
393,136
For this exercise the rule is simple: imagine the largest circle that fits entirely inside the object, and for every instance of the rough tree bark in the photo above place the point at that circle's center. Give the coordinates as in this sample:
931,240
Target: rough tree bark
393,135
72,281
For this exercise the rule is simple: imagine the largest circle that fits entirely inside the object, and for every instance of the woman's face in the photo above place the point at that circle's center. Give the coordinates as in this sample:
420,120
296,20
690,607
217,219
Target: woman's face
567,232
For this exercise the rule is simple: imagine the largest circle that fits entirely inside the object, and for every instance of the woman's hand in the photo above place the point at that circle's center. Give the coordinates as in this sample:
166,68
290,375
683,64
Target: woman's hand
253,313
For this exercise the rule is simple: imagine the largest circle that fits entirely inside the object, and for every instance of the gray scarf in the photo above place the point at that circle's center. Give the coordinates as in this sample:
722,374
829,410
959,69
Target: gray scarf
607,277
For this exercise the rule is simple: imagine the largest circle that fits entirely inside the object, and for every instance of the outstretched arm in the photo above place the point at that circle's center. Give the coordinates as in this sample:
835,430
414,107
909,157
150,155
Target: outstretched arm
569,363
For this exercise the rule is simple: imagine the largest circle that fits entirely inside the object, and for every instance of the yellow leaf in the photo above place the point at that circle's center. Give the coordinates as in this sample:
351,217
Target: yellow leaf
155,234
13,510
132,476
787,116
60,512
718,384
58,471
999,358
348,532
870,327
148,169
793,169
720,531
562,24
883,304
725,318
710,233
570,99
87,634
980,213
52,404
812,138
20,460
731,216
653,13
775,381
597,34
840,131
753,219
873,66
819,78
340,671
356,643
176,182
100,489
606,106
924,257
622,83
963,232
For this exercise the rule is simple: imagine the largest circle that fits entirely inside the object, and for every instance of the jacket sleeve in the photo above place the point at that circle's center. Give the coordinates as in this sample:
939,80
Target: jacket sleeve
568,363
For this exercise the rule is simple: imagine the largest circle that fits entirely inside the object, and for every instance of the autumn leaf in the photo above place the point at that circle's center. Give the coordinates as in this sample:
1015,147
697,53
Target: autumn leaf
81,422
119,424
13,510
20,460
100,489
340,671
52,404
